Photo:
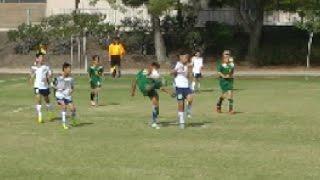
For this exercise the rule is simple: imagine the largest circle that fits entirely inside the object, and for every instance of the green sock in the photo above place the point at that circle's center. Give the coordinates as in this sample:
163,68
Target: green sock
230,104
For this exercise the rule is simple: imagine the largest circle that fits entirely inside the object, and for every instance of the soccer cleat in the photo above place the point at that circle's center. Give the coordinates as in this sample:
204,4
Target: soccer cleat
40,119
65,126
232,112
93,104
155,125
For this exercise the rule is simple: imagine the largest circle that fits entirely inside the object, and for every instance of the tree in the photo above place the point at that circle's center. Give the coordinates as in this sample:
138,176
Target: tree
311,23
156,8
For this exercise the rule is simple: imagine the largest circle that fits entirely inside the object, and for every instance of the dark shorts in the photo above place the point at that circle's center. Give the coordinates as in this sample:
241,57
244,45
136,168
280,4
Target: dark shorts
115,61
95,85
42,92
183,93
226,85
66,101
197,75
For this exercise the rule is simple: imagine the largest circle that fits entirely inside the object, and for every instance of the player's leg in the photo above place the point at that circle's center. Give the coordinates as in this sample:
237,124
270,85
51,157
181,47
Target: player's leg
155,110
193,84
46,98
220,101
189,105
231,101
119,67
97,90
93,95
38,106
63,108
181,99
73,114
198,85
113,67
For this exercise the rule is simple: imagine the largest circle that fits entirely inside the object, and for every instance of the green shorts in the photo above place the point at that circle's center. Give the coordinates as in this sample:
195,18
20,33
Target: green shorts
95,84
151,93
226,84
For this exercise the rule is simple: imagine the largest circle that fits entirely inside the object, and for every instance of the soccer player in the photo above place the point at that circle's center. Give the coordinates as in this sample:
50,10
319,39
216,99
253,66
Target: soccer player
40,74
64,85
183,90
197,64
116,53
225,71
148,81
95,74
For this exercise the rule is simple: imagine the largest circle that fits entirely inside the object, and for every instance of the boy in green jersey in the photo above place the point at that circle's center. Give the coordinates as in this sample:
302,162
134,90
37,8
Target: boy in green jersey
225,70
149,82
95,74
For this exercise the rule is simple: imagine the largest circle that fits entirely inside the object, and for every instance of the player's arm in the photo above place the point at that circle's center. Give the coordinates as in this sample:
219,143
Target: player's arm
32,75
133,87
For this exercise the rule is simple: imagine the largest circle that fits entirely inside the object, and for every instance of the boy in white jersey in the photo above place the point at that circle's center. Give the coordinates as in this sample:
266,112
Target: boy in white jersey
40,75
197,65
64,86
183,90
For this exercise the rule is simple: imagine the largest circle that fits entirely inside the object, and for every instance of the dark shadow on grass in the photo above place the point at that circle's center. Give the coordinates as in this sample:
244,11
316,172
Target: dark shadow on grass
206,90
239,89
191,124
83,124
114,104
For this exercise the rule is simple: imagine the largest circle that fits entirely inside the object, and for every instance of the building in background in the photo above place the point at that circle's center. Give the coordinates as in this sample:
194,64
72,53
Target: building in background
15,12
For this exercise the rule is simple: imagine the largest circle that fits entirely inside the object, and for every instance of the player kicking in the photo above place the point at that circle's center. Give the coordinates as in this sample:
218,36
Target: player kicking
183,91
40,74
95,74
197,64
64,86
148,81
225,71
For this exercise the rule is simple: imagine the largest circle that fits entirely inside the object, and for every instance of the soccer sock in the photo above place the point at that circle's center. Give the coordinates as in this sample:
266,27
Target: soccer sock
189,107
198,88
64,119
38,108
181,117
92,96
73,114
155,113
49,107
193,86
219,103
230,104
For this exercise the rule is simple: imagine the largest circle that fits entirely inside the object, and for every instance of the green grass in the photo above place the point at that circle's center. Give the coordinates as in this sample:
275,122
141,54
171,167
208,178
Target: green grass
275,135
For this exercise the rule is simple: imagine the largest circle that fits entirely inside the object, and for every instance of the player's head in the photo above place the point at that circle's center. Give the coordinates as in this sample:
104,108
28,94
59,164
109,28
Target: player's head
197,53
155,65
66,68
95,59
39,58
226,55
116,40
184,57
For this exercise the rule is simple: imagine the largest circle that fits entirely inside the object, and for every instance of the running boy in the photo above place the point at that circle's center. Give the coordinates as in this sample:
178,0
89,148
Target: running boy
64,85
197,64
95,74
225,71
148,81
183,91
40,74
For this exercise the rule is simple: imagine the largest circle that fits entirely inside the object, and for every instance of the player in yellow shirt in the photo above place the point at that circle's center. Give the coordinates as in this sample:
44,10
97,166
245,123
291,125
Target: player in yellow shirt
116,53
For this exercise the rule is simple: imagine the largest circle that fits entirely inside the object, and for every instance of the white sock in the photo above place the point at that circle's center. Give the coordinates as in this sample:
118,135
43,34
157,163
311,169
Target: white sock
49,107
198,86
193,85
38,108
63,114
181,117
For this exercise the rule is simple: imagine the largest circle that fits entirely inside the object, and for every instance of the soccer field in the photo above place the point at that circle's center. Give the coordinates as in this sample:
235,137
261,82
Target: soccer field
274,135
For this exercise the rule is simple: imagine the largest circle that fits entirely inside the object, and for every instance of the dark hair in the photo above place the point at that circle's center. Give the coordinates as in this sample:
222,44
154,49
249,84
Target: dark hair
155,64
65,65
96,57
116,38
183,52
39,54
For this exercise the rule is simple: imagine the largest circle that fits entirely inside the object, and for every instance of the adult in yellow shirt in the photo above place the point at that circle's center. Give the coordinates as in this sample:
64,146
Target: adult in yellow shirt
116,53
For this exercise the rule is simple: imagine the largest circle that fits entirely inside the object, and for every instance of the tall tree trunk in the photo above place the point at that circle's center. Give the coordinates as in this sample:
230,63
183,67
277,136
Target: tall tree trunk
252,22
309,48
159,44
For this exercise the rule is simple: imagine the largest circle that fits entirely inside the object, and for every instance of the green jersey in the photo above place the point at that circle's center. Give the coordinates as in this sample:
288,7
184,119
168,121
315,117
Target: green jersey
226,84
146,84
95,74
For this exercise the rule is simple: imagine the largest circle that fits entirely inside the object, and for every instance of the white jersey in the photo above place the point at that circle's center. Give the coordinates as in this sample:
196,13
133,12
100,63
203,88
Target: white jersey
197,64
181,80
64,87
42,74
